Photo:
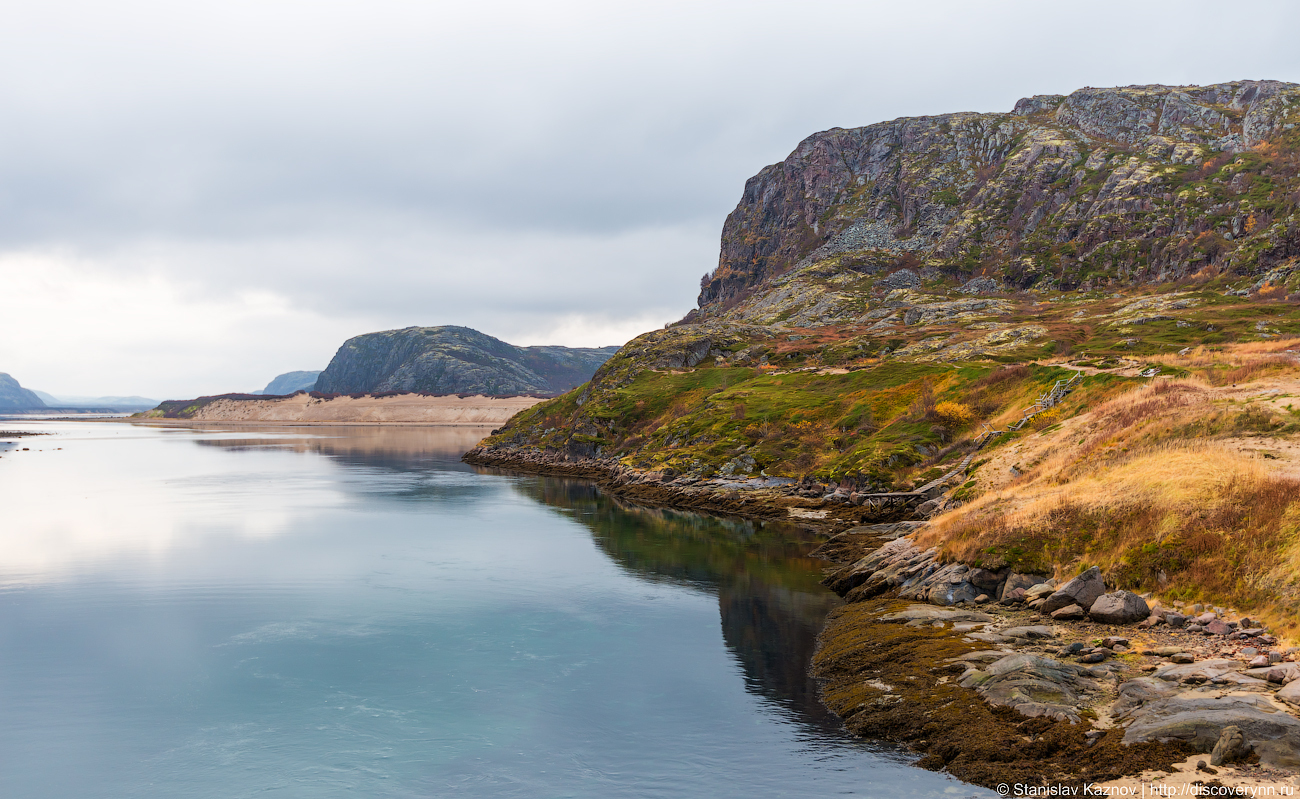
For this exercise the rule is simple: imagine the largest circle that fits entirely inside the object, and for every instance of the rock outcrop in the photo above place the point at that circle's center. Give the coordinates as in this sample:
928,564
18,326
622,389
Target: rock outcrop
1037,195
14,397
455,360
1083,591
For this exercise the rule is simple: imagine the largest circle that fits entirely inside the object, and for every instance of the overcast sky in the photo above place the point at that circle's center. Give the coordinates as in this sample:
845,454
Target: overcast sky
197,197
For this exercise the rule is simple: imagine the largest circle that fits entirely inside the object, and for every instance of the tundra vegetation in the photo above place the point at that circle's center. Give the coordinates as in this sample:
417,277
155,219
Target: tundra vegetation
888,294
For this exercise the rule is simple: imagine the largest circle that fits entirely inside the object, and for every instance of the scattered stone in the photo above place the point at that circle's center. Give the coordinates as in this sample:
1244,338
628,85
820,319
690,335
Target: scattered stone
1083,591
1093,657
1039,591
1259,661
1069,613
1120,607
1034,631
930,613
1230,748
1183,657
1166,651
1206,618
1217,627
982,599
1176,620
1248,651
1012,597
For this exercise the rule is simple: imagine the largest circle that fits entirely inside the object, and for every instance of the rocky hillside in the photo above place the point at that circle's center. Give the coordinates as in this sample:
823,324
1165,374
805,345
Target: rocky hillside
15,397
1100,188
1109,228
450,360
289,382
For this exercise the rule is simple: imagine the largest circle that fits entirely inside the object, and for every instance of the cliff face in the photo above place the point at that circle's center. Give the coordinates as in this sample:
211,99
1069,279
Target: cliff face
1101,187
449,360
14,396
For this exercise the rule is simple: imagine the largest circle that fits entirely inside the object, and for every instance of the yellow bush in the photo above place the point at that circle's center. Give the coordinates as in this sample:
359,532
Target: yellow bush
954,414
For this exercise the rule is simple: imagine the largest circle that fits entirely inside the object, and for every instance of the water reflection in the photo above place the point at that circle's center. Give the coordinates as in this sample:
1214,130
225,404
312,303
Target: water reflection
394,447
769,596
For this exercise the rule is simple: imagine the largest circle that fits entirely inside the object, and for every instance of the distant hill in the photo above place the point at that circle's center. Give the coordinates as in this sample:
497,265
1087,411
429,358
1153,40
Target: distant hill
289,382
131,402
455,360
15,397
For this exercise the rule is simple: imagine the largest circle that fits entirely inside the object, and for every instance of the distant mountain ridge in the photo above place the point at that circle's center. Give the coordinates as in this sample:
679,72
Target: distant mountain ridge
132,401
14,397
291,382
450,359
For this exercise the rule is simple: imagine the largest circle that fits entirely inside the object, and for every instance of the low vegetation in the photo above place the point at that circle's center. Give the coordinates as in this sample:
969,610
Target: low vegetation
1183,487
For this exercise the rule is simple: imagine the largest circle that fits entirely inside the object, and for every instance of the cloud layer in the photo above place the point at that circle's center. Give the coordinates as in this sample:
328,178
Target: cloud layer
193,199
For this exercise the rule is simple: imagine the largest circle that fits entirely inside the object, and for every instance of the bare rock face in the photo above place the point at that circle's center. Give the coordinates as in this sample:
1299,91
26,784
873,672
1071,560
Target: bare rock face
1016,580
1090,168
1200,719
987,580
1121,607
1083,591
1034,686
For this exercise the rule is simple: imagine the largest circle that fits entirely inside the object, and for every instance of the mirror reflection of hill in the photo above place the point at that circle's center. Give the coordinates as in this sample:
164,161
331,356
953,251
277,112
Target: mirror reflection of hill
769,594
394,447
770,599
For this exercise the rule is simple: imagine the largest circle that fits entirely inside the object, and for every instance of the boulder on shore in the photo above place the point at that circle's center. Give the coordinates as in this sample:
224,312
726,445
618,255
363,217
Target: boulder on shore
1015,581
1121,607
1082,591
1069,613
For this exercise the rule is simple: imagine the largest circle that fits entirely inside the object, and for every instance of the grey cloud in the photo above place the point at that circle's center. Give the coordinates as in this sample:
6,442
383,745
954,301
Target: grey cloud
508,165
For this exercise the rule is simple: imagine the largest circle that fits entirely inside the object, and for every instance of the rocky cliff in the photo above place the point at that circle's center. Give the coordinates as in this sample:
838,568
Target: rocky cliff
450,360
1102,187
870,287
15,397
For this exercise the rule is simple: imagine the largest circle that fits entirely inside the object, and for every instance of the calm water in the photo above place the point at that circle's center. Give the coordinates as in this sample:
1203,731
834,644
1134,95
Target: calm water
353,612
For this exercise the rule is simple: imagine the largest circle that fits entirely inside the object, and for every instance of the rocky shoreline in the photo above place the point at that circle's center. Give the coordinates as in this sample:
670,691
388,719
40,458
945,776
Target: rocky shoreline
998,677
1011,678
824,507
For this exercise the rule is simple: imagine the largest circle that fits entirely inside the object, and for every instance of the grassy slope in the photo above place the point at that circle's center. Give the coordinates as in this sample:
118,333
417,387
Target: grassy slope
1186,488
824,402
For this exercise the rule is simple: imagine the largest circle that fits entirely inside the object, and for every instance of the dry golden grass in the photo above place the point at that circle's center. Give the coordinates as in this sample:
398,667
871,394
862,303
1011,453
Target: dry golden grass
1238,363
1139,487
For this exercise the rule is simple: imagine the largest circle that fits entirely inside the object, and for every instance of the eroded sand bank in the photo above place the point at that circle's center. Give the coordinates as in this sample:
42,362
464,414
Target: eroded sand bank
403,408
